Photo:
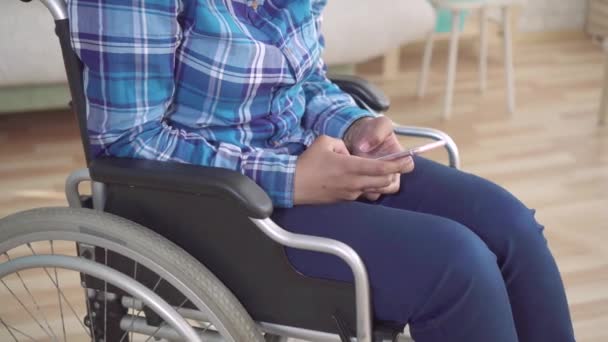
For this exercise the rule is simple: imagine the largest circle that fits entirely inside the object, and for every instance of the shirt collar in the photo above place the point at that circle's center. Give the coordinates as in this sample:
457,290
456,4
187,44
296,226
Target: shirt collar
253,3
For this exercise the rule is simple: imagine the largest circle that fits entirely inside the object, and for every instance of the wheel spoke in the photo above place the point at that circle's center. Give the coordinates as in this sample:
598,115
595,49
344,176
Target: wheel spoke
88,305
9,328
135,278
160,325
140,310
130,331
58,295
70,306
26,309
91,320
34,301
105,299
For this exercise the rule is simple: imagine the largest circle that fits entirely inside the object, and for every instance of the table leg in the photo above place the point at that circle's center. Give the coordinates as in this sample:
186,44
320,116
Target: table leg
604,104
483,49
449,97
426,65
508,50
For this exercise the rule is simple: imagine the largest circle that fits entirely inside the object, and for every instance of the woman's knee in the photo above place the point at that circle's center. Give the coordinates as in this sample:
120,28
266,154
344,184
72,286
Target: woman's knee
504,222
469,281
468,259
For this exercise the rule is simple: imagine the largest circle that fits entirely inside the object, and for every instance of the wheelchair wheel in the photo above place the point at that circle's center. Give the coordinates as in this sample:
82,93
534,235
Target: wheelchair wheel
53,253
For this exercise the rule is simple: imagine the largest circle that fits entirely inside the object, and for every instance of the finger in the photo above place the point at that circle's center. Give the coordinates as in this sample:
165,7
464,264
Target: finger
409,166
371,196
379,131
352,195
361,183
390,189
389,146
383,189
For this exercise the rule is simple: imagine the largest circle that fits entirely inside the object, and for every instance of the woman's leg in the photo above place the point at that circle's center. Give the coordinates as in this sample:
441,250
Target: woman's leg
508,228
428,271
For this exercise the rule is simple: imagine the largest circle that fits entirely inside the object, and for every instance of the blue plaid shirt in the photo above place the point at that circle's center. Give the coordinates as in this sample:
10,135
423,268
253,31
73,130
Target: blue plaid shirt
238,84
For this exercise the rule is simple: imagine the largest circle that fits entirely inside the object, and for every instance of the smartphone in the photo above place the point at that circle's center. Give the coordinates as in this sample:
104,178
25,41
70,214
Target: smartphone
413,151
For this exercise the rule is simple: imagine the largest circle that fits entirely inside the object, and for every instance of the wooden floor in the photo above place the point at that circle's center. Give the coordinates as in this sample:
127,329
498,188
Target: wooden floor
551,152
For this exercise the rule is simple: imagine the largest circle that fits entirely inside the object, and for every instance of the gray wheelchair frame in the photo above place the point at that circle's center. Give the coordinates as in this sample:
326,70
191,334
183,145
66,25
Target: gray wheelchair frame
364,332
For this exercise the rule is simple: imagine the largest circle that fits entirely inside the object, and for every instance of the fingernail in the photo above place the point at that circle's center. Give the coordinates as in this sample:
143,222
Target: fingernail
364,147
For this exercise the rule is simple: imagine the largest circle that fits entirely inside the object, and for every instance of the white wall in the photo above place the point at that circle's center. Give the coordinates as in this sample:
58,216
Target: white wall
553,15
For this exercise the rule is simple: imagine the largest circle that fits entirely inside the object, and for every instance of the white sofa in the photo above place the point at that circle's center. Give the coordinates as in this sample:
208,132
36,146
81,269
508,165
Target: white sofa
29,52
355,30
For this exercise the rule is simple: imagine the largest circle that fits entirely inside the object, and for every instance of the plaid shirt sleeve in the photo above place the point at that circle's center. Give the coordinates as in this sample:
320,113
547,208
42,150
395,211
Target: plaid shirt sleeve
128,51
329,110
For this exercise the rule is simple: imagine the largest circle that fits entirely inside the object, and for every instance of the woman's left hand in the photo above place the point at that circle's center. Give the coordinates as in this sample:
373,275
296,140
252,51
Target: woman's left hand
373,138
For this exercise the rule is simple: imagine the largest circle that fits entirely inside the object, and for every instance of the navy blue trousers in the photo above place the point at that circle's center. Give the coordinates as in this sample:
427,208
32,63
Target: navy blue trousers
455,256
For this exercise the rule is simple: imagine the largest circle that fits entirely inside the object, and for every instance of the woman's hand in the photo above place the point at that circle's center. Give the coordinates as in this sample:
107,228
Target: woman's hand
326,172
373,138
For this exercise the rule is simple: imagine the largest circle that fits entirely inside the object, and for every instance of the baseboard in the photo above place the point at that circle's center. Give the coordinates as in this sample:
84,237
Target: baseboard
33,98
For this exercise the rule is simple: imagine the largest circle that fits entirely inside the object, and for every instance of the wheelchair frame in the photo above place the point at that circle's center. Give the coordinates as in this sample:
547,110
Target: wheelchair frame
365,95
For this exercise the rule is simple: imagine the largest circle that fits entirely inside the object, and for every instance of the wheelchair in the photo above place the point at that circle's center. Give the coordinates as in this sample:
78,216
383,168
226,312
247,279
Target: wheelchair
168,251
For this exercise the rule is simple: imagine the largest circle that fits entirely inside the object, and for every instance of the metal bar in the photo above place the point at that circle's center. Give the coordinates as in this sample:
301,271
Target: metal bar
431,133
339,249
137,304
300,333
140,326
122,281
71,186
57,8
99,195
270,328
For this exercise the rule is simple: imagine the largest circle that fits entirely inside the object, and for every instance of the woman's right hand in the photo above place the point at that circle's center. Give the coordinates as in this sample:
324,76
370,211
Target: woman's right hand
327,173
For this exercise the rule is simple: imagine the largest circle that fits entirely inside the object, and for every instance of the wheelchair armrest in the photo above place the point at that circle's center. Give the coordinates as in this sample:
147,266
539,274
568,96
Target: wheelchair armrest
238,189
364,92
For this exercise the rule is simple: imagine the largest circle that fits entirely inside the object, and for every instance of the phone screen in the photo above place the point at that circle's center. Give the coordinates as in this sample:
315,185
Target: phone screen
413,151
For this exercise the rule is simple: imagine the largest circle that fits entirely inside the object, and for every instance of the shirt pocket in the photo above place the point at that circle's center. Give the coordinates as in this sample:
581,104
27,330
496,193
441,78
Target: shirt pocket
290,27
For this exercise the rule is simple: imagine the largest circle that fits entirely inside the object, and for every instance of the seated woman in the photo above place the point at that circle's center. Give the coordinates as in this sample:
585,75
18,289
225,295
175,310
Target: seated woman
240,84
